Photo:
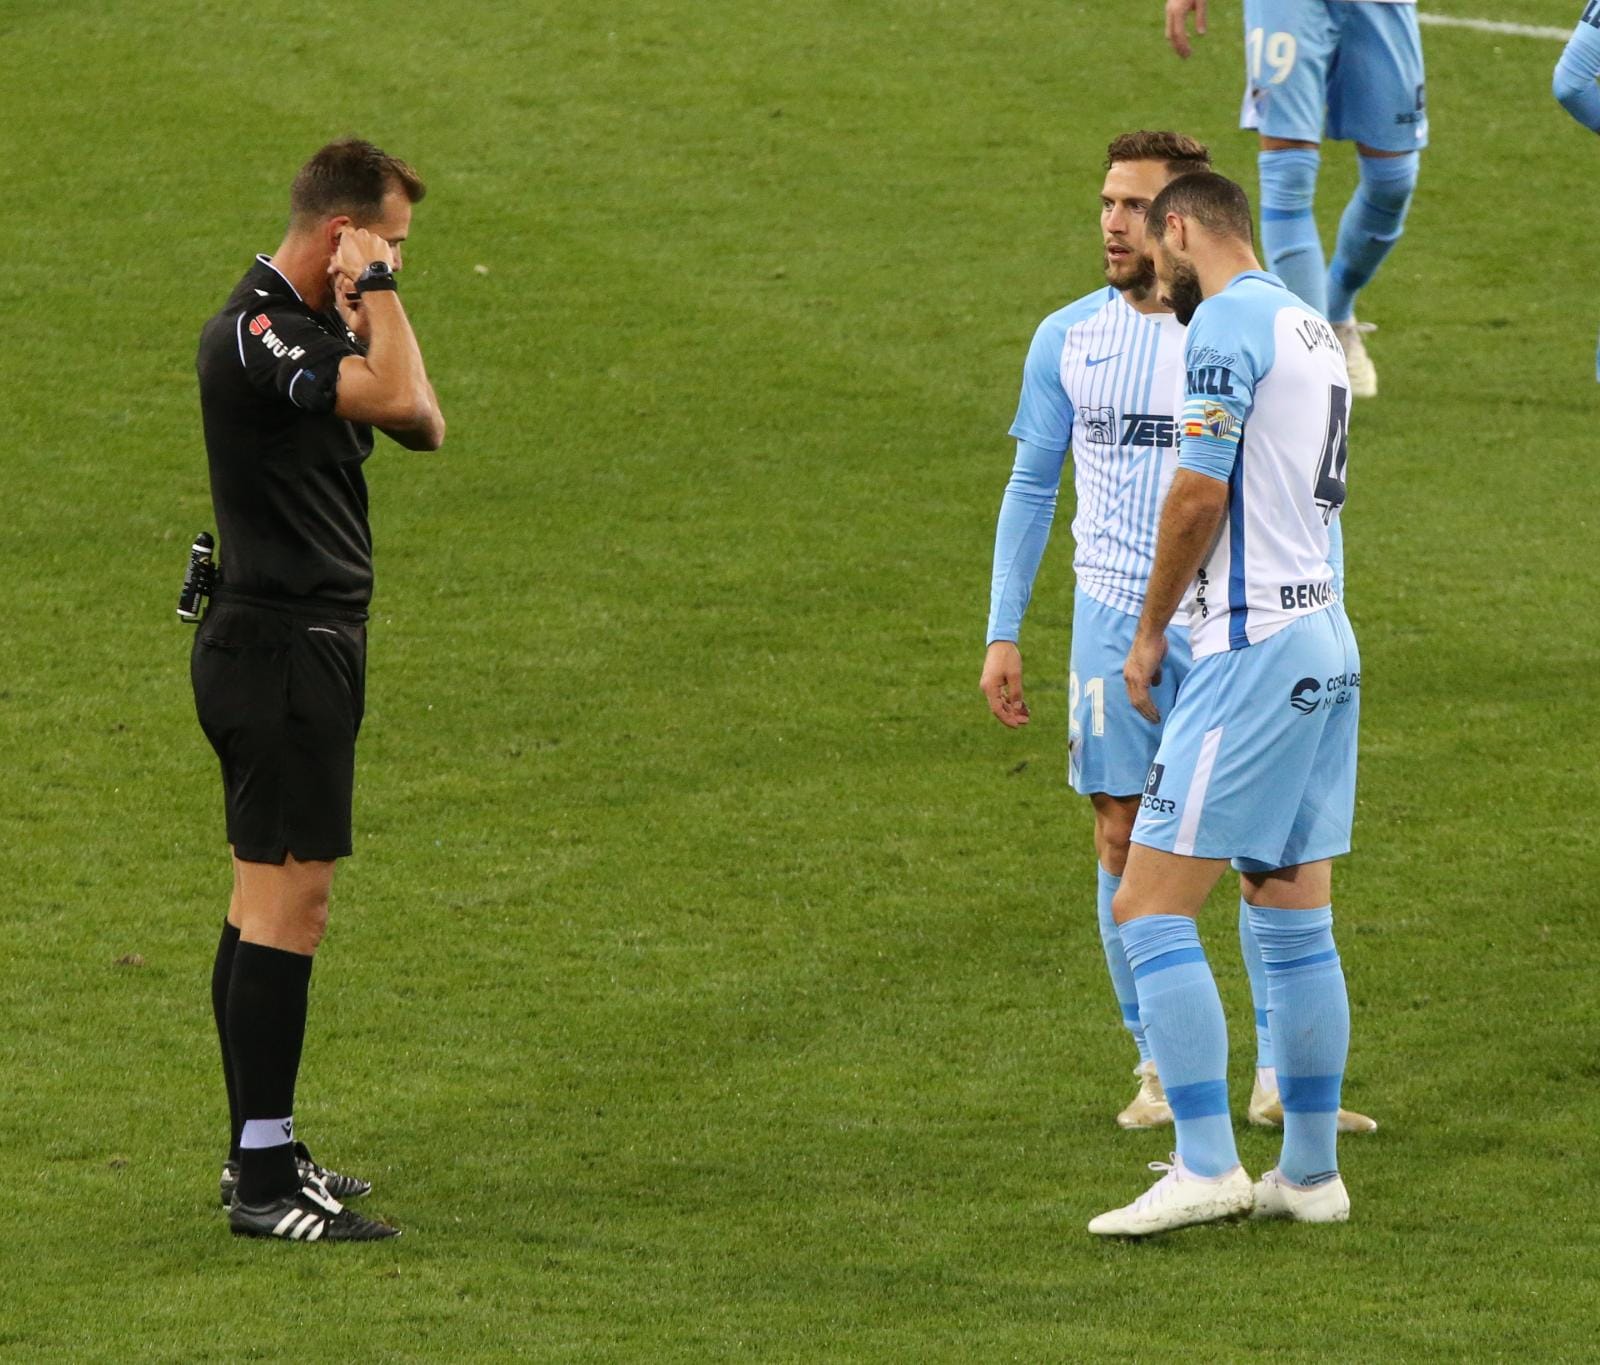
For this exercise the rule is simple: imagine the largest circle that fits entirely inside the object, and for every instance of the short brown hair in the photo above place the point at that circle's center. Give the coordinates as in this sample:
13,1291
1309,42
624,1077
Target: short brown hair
350,176
1182,155
1212,200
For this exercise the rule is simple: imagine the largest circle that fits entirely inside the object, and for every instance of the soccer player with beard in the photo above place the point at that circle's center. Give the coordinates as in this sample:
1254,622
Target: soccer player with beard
1349,70
1257,761
1103,377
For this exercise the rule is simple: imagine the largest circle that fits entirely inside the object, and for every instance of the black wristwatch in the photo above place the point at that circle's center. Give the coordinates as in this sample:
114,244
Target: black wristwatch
376,276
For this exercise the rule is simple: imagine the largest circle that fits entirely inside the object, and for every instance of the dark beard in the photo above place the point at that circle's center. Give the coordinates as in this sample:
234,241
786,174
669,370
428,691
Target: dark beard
1139,283
1183,295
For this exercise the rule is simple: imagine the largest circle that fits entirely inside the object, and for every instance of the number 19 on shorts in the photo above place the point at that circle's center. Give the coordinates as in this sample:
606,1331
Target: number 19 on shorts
1278,49
1094,692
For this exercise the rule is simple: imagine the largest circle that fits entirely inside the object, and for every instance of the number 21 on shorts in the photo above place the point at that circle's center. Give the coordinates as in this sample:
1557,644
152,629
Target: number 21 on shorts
1094,692
1277,48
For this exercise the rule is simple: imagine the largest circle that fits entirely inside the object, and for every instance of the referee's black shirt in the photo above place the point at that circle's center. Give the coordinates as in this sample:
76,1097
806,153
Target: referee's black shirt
286,481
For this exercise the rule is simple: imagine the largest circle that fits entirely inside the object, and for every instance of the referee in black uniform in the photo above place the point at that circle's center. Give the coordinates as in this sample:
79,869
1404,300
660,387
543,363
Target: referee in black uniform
311,351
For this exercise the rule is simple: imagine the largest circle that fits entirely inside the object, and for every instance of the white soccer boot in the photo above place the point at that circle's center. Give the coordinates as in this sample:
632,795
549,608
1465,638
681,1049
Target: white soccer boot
1149,1108
1363,374
1266,1111
1275,1197
1178,1200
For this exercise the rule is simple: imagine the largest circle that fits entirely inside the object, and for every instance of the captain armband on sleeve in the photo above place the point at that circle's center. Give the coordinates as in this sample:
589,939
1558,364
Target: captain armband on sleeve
1209,433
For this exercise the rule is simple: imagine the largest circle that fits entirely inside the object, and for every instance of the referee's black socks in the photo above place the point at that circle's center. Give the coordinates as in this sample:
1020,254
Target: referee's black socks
221,976
266,1026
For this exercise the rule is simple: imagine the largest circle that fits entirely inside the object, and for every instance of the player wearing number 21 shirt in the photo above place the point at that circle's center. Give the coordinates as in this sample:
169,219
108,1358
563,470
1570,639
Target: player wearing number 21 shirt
1103,379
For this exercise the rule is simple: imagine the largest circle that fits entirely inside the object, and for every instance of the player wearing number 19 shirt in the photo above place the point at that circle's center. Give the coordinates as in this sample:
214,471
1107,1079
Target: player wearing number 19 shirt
1349,71
1102,378
1257,760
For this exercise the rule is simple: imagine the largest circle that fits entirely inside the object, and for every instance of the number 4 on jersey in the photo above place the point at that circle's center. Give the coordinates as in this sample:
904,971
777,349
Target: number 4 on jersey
1335,453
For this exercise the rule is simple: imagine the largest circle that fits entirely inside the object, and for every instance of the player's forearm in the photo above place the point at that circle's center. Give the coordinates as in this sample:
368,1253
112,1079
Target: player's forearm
395,360
1194,510
1574,82
1021,534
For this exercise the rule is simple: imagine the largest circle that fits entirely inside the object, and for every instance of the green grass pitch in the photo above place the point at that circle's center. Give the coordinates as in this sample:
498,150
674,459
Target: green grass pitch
715,980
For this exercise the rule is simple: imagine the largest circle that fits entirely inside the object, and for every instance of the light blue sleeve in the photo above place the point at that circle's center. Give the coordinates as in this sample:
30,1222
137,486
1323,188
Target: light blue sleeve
1336,553
1026,512
1574,83
1229,348
1044,412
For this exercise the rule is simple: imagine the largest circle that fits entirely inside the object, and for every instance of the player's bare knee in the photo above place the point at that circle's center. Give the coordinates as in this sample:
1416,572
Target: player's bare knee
1113,830
312,924
1127,905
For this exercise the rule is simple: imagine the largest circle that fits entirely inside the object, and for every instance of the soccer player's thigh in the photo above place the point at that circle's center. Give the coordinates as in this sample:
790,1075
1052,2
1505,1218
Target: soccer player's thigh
1326,810
1376,90
1109,744
1289,48
1236,756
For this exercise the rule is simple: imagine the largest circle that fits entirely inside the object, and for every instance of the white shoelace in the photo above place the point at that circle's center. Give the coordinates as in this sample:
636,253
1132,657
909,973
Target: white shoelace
1171,1172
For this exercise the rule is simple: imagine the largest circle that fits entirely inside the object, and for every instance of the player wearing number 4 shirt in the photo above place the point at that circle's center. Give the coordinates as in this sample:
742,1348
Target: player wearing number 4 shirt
1257,759
1103,377
1349,70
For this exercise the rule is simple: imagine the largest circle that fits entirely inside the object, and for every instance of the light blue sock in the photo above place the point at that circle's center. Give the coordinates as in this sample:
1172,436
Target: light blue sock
1117,965
1183,1022
1288,228
1372,223
1311,1034
1257,971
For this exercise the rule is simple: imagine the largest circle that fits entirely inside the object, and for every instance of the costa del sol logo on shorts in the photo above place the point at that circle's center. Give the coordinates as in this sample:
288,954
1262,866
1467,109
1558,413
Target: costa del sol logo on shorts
1304,696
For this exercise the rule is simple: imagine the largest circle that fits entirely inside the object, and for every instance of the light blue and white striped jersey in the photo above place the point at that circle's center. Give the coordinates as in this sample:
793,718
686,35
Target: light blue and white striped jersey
1104,380
1266,410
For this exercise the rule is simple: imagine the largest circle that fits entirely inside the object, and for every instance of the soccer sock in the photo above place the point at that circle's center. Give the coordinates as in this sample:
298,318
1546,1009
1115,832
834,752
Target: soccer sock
1310,1032
1288,228
1257,971
1117,964
1183,1022
221,973
266,1023
1372,223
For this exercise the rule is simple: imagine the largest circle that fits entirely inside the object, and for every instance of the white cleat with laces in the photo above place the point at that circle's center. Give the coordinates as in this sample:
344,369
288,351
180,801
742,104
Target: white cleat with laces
1363,374
1178,1200
1275,1197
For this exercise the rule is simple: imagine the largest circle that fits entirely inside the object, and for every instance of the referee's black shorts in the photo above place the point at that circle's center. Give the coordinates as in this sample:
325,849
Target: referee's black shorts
280,692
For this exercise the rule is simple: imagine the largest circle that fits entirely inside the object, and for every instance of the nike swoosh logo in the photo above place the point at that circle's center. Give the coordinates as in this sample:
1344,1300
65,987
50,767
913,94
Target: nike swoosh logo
1090,364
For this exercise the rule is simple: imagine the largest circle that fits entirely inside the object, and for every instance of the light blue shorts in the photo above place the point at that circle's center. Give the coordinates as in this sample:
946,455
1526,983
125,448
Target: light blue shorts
1349,70
1258,759
1109,744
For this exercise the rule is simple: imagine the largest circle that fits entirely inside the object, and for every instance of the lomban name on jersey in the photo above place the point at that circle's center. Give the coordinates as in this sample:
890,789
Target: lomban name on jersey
1315,334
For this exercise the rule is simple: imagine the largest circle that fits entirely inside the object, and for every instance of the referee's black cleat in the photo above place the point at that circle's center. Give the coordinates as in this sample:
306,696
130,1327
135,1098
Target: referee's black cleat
310,1214
339,1186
